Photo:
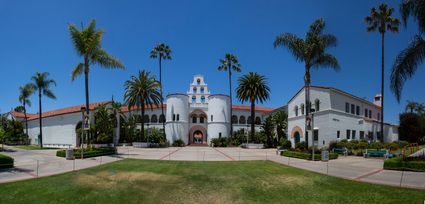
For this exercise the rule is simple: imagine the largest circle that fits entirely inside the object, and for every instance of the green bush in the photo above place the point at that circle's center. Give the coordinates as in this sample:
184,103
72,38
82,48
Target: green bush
301,146
88,152
306,156
6,161
178,143
285,144
220,142
397,163
375,145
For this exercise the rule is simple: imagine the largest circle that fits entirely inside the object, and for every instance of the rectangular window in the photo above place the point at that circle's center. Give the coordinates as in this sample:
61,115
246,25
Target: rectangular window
347,107
201,120
353,108
365,112
370,113
212,118
178,117
379,116
353,134
174,117
194,120
316,135
362,135
358,110
219,134
348,134
337,134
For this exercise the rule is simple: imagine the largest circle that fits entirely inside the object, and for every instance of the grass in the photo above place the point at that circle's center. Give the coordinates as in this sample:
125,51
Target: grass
32,147
144,181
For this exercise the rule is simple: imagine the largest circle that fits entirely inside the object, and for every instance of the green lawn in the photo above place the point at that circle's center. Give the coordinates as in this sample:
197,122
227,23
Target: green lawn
32,147
143,181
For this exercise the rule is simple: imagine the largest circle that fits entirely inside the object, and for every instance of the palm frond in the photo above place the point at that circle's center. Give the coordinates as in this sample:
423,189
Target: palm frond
327,61
78,70
294,44
101,57
406,64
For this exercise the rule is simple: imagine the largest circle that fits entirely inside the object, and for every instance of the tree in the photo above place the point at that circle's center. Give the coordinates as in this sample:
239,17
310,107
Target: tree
381,20
409,59
228,64
2,138
87,43
280,120
268,126
104,126
162,52
41,83
253,88
311,51
140,91
25,92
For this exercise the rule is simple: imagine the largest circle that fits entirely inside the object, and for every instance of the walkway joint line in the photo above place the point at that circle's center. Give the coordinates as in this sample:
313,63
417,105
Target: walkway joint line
169,154
224,154
368,174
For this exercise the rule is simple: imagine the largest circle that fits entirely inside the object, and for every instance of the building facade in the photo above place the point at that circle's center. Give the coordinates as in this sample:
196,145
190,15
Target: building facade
337,115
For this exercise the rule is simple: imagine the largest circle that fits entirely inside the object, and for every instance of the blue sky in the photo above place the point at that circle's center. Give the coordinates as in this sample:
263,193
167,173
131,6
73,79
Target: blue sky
34,37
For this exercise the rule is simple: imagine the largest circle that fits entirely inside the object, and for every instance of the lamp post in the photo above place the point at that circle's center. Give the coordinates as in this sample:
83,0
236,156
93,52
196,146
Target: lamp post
147,140
83,112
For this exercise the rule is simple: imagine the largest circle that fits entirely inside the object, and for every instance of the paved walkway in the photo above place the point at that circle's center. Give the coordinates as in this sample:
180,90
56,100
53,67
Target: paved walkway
354,168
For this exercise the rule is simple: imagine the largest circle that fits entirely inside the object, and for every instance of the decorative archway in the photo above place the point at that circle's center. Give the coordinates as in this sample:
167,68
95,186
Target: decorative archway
198,135
297,129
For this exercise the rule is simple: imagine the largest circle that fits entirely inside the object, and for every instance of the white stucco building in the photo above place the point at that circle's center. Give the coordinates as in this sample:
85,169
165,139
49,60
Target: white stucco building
195,117
338,115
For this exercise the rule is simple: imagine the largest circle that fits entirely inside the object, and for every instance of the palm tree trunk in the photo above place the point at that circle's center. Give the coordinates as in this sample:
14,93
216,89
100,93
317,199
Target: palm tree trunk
40,139
142,131
162,98
307,99
382,90
252,119
86,80
231,106
26,119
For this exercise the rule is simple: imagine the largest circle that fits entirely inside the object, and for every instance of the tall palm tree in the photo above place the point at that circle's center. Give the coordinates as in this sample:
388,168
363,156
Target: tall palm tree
253,88
162,52
24,94
411,106
228,64
87,42
140,91
409,59
41,83
381,20
311,51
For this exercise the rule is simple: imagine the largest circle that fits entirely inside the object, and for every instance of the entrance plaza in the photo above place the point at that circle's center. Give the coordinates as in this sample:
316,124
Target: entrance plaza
39,163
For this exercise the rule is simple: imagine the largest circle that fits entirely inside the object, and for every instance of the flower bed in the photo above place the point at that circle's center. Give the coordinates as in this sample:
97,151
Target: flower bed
88,152
398,163
6,161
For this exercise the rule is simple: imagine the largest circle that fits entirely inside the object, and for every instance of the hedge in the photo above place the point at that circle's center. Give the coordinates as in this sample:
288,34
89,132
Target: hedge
6,161
307,156
397,163
88,153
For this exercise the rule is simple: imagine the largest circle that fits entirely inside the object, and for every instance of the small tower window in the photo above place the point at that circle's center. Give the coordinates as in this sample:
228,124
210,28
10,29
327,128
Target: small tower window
194,89
202,99
202,90
317,104
178,117
193,99
194,119
198,81
174,117
302,109
212,118
296,110
201,119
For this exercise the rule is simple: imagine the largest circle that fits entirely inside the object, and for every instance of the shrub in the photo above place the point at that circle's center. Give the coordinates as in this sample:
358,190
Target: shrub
375,145
6,161
178,143
401,144
285,144
93,152
391,146
220,142
333,145
397,163
307,156
301,146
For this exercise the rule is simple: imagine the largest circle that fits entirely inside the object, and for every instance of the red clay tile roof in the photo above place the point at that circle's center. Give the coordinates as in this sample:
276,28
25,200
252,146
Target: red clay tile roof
124,109
20,115
262,109
62,111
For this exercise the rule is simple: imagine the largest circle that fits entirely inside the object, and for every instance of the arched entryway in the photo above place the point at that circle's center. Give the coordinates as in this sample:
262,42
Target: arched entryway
296,134
297,137
198,135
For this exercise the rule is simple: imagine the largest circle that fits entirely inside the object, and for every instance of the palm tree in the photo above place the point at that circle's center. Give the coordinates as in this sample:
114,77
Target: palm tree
42,83
140,91
409,59
162,52
253,88
382,21
87,43
411,105
227,64
25,92
311,51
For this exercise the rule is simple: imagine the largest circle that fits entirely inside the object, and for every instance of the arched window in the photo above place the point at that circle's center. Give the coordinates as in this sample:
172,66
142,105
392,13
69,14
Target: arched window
317,105
162,118
198,81
202,90
202,99
194,89
296,110
201,119
154,119
146,119
302,109
249,120
234,119
178,117
194,120
242,120
193,99
257,120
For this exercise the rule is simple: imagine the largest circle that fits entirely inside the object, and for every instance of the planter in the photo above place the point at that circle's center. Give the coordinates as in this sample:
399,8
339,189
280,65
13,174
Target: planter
140,144
125,144
253,146
102,145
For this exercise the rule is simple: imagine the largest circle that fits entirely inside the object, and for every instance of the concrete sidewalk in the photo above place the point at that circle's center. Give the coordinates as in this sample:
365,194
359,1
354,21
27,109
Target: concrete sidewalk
37,163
